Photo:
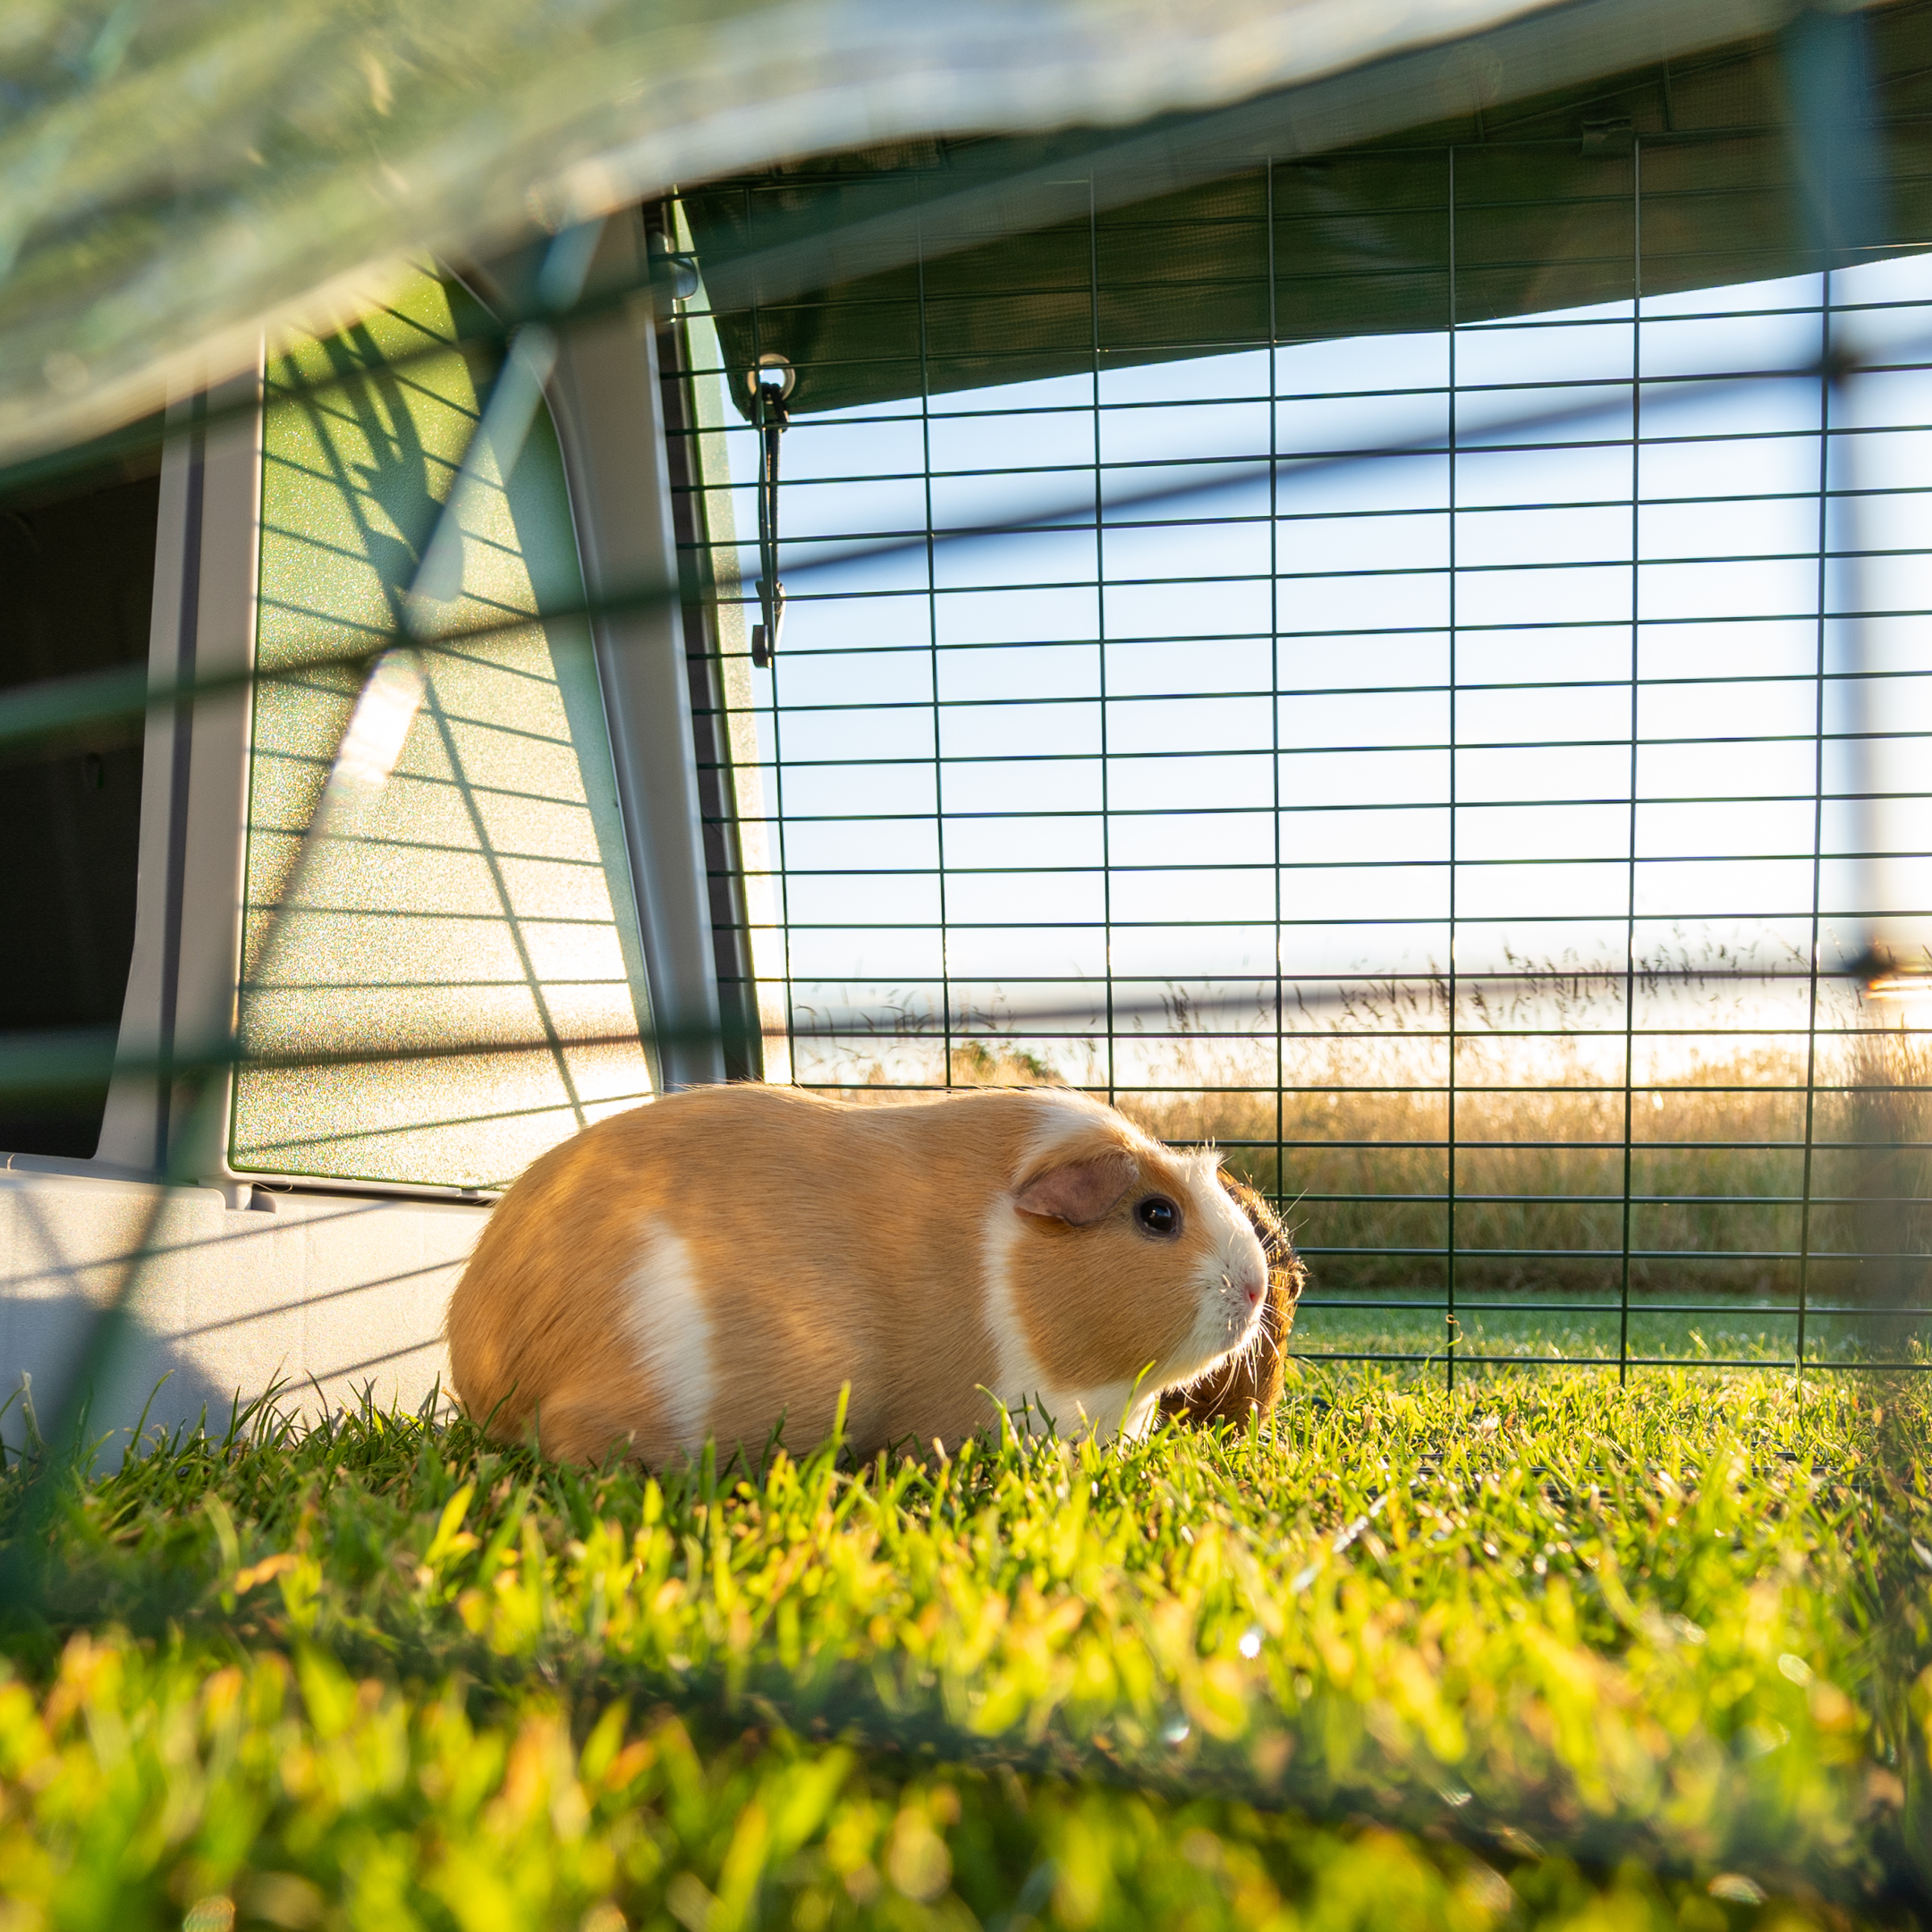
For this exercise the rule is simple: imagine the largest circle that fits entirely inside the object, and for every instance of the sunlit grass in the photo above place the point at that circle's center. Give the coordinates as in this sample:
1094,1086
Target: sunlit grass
1543,1332
1540,1650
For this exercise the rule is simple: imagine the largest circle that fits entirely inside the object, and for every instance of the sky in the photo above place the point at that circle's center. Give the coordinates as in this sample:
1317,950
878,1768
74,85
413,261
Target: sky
1254,771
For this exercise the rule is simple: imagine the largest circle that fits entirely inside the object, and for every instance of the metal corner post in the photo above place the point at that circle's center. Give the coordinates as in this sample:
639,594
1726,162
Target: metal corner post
182,986
705,651
610,418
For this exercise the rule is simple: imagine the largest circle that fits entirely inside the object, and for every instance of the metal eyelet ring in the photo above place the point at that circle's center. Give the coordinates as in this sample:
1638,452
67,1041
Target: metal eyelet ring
774,371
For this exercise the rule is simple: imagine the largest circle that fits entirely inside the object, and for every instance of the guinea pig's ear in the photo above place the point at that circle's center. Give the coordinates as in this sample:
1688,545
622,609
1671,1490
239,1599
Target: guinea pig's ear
1080,1192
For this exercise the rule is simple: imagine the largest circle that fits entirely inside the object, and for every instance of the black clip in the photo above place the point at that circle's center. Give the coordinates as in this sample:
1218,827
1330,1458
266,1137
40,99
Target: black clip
771,382
764,636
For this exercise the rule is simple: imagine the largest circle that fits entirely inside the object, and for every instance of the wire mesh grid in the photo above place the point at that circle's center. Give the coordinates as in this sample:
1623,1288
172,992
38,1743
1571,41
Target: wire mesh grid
1469,773
1460,772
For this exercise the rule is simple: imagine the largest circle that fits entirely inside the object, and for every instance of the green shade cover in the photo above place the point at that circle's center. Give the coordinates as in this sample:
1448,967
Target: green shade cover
176,175
1043,257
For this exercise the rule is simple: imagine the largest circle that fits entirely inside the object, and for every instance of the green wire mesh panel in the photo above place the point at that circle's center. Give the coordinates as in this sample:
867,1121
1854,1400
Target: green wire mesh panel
1437,765
480,893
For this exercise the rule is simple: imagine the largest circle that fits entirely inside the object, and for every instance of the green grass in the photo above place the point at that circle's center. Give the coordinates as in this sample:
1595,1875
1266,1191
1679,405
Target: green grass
1553,1332
1544,1651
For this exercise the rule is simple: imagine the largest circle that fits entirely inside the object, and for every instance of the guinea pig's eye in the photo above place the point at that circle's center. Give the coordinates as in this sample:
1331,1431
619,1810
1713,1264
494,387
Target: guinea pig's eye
1159,1216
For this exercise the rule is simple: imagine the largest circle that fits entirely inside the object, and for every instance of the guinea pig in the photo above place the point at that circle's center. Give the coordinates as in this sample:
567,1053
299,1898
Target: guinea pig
721,1261
1252,1380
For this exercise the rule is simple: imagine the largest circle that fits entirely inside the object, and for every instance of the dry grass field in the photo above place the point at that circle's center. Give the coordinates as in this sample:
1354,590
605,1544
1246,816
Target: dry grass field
1348,1129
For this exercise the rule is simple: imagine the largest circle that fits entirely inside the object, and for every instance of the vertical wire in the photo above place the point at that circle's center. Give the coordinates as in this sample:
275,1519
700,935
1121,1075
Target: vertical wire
1817,816
1274,702
1106,839
180,736
1630,911
492,865
1449,1196
777,748
932,623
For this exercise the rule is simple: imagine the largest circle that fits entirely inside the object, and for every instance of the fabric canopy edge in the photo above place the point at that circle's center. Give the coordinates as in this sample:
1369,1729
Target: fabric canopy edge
1567,45
815,76
767,300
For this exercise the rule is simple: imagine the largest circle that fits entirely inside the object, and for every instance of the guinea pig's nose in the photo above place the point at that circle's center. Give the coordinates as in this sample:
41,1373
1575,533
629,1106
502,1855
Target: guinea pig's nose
1253,1286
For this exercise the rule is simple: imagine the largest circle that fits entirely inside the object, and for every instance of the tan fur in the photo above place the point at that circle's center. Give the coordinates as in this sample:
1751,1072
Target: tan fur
831,1244
1251,1381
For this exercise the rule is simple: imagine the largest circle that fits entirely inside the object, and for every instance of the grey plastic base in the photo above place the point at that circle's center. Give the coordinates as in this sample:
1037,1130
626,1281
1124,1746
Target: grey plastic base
329,1296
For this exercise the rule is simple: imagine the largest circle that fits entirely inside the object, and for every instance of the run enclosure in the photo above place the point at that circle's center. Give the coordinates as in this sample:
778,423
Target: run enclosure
1383,624
1473,771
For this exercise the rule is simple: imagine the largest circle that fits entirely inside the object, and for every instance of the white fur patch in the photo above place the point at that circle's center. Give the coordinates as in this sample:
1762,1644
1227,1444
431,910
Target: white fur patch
673,1330
1225,1320
1016,1374
1117,1409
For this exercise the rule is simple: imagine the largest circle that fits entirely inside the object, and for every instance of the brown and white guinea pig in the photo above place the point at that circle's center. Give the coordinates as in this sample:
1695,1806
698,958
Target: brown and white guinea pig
1250,1381
726,1258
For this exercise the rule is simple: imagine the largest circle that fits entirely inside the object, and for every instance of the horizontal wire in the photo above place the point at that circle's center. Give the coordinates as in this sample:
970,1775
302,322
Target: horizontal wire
1355,749
36,1058
1183,868
1251,694
999,815
1339,513
1600,1308
1609,1256
1433,1358
1467,1198
47,709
